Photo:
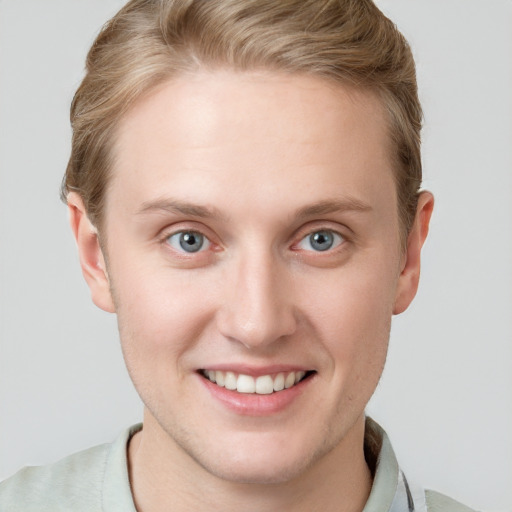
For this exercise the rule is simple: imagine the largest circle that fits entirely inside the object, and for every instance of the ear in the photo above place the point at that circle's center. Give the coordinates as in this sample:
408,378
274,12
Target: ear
91,257
410,272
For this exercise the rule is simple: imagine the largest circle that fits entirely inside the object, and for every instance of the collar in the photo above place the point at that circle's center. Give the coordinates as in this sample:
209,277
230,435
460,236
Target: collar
391,492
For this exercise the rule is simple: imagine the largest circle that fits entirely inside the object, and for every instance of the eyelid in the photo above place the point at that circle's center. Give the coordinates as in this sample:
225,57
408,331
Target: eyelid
338,240
192,227
313,227
184,226
215,245
205,245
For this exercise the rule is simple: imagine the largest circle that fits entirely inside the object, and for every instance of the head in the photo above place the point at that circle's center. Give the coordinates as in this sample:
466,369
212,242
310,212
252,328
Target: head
251,170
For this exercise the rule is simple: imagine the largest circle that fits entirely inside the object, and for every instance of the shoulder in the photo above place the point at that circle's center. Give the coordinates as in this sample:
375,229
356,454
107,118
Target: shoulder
437,502
73,483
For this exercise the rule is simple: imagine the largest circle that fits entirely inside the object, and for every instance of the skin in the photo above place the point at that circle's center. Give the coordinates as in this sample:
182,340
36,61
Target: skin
256,162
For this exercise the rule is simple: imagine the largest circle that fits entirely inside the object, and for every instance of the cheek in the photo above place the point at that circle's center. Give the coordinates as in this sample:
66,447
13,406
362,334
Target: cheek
352,313
358,297
161,313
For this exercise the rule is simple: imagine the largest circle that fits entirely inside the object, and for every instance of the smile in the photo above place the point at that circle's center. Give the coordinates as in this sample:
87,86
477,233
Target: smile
262,385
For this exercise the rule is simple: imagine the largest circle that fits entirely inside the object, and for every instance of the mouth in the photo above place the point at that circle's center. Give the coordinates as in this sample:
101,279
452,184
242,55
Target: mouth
260,385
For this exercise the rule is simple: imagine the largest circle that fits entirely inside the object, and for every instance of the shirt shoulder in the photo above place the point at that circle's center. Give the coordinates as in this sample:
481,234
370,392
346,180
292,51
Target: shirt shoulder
437,502
93,480
73,483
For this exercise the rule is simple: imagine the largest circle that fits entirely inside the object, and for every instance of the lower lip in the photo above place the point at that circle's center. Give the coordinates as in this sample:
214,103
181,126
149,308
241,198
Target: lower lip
253,404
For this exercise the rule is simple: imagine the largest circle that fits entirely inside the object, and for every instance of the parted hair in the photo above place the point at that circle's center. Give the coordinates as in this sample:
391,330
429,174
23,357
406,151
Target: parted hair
148,42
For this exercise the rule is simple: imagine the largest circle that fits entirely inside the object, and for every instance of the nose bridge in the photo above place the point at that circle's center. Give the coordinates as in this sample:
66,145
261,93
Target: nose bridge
258,309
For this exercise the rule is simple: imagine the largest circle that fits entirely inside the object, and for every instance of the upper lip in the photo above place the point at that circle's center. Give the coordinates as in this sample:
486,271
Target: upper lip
256,371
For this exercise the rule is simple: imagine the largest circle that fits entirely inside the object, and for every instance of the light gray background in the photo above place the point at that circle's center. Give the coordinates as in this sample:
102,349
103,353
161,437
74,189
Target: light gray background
446,395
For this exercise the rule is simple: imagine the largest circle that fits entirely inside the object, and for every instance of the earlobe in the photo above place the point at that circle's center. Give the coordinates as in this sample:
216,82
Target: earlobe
410,273
90,253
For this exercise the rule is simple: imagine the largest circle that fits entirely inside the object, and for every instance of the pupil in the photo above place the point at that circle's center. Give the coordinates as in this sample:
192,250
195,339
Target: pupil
191,242
322,240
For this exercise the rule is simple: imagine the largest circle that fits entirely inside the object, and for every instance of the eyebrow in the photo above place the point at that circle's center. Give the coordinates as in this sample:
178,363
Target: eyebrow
180,207
332,206
205,212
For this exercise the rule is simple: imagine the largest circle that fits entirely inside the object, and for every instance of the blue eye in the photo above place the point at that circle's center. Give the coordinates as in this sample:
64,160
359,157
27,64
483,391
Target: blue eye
188,241
321,241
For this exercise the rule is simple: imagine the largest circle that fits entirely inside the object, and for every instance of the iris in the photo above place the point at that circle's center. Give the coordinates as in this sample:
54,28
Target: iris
321,240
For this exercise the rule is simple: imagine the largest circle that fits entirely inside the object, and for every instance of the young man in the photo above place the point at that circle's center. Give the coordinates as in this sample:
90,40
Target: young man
244,192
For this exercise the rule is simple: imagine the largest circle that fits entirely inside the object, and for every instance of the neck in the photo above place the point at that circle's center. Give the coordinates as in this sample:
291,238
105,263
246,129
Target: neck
164,477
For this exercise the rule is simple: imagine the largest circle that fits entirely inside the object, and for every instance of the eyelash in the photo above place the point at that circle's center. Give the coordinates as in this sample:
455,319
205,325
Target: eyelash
305,238
205,241
337,240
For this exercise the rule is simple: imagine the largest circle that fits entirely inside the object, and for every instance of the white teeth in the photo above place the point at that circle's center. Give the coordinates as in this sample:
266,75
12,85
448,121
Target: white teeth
230,381
245,384
279,382
262,385
219,378
290,380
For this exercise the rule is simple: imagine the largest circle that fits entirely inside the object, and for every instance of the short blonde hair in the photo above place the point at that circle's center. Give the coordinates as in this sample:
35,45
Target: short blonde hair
150,41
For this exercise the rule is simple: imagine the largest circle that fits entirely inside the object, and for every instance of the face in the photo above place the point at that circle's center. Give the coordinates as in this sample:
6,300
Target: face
254,264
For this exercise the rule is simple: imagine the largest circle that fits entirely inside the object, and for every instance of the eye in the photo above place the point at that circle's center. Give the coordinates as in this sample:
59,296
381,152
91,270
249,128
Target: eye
188,241
321,241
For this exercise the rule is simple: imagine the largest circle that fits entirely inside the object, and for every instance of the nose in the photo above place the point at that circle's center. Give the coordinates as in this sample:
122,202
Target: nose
258,303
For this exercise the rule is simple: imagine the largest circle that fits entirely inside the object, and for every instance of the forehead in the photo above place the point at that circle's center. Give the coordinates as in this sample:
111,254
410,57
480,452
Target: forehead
212,132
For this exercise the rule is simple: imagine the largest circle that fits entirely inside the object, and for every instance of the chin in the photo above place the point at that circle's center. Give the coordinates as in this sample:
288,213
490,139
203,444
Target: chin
262,473
266,461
